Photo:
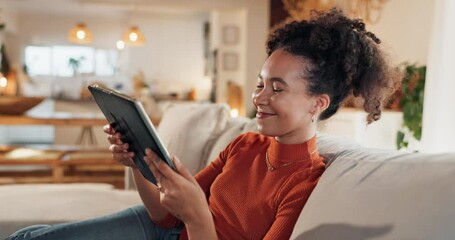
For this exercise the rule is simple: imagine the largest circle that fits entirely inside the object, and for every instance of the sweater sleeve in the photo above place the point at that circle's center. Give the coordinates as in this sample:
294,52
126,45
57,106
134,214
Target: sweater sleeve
205,178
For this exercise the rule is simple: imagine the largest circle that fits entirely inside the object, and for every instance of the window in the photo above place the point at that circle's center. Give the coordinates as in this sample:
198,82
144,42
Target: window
55,61
37,60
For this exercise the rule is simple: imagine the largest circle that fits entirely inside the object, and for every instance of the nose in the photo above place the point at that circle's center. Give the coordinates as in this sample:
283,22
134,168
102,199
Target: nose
260,97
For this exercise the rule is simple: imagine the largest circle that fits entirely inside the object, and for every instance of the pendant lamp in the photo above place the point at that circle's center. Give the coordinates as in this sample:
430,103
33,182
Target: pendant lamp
80,34
134,37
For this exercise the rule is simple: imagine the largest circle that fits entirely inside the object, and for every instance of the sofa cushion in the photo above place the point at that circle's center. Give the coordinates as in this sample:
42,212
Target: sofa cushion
234,128
367,193
29,204
189,131
331,146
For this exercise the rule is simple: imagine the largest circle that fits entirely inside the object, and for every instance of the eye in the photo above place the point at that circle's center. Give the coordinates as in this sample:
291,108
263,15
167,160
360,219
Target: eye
276,90
260,86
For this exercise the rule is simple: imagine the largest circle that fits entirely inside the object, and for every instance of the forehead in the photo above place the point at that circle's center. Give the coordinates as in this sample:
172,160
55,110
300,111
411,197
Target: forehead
284,65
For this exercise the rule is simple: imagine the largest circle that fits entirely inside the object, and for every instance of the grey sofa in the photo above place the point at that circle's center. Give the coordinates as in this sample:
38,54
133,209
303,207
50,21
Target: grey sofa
364,193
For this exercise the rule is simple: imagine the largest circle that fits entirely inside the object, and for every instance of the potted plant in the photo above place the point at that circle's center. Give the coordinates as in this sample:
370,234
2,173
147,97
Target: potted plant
75,64
413,87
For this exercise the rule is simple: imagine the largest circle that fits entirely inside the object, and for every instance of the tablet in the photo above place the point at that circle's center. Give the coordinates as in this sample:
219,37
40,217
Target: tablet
127,116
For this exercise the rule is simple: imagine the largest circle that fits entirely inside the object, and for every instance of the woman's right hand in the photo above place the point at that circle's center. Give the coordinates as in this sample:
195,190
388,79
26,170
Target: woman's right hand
118,148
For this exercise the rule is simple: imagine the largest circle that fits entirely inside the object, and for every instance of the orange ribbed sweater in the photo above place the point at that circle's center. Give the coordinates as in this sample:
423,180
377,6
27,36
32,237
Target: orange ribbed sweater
247,200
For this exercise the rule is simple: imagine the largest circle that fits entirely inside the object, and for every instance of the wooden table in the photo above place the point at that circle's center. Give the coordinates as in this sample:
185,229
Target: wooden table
63,162
86,120
56,118
58,165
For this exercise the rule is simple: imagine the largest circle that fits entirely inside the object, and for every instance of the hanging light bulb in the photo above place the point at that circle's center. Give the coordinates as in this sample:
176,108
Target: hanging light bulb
134,37
120,45
80,34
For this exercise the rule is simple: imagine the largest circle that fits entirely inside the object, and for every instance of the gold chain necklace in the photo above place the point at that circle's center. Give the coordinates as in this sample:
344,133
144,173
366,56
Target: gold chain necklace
272,168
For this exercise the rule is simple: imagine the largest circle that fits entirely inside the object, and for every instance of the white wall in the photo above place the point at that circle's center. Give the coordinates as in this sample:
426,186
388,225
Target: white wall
253,23
174,56
258,15
405,29
234,19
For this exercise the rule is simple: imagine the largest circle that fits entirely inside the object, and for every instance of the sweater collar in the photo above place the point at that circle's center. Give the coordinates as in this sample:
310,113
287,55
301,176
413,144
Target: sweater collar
280,153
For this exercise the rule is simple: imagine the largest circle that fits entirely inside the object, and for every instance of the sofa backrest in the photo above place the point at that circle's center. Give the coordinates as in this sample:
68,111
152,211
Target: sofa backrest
380,194
189,131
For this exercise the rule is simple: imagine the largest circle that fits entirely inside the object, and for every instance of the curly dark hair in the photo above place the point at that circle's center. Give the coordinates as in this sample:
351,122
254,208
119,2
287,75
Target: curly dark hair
345,59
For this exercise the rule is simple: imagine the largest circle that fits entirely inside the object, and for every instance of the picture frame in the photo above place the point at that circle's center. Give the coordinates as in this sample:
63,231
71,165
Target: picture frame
230,61
230,35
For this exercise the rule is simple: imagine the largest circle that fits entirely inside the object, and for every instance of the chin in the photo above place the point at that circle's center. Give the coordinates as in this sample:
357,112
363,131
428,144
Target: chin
266,132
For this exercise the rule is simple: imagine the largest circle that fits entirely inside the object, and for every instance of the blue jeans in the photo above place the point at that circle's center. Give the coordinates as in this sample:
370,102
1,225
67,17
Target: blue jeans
132,223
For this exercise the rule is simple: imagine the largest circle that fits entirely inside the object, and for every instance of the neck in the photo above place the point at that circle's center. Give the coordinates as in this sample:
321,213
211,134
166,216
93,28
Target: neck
300,137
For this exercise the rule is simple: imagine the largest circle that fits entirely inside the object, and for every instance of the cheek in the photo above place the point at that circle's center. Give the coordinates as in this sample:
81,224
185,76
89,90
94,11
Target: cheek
290,109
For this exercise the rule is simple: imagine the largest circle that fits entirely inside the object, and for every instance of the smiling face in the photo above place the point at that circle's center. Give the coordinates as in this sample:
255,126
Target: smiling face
284,107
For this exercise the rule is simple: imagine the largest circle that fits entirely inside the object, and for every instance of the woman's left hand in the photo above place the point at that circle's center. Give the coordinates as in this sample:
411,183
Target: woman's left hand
180,193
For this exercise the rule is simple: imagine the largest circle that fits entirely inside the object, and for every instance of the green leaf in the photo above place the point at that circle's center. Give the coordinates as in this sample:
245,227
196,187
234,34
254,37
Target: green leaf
412,102
400,139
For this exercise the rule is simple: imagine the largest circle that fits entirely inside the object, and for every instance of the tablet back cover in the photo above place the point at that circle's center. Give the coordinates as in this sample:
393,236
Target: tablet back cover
124,116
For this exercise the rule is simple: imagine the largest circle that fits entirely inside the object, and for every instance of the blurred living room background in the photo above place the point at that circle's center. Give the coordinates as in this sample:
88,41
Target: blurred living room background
166,51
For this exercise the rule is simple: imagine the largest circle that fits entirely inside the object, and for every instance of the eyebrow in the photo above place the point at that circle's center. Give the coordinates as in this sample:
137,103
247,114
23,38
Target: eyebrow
274,79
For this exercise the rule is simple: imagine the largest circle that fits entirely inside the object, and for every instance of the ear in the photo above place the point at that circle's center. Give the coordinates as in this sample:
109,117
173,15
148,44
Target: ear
322,103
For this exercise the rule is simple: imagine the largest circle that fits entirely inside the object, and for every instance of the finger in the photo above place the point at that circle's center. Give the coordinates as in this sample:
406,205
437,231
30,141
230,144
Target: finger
123,156
114,148
150,158
112,139
164,169
155,160
129,162
115,138
108,129
182,170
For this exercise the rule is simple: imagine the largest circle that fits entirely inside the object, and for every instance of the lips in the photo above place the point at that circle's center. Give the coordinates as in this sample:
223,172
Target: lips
263,115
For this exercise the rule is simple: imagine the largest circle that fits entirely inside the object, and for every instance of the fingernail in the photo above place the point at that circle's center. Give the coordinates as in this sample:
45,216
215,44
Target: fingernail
177,161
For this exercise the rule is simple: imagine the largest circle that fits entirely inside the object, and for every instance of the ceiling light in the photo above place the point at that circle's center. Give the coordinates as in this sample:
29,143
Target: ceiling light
80,34
134,37
120,45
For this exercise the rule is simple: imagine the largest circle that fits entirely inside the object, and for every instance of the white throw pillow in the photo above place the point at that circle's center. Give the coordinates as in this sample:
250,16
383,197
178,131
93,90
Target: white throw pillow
234,128
189,131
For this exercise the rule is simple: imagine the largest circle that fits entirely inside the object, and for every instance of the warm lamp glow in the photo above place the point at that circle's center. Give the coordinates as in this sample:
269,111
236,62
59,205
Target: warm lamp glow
3,82
120,45
134,37
234,113
80,34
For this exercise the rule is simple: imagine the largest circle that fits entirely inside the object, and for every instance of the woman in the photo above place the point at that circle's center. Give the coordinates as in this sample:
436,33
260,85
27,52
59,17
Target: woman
259,184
